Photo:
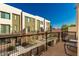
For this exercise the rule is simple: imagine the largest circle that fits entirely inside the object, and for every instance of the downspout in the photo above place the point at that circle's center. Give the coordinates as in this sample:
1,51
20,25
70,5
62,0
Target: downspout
44,24
21,21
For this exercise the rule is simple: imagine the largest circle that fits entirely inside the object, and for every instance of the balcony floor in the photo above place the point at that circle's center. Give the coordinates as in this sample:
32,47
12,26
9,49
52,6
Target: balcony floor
57,50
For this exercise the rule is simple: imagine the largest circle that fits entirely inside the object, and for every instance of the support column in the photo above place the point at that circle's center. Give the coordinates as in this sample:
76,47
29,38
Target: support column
77,24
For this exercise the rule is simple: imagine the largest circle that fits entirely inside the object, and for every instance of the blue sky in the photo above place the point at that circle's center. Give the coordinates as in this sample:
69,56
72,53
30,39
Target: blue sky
57,13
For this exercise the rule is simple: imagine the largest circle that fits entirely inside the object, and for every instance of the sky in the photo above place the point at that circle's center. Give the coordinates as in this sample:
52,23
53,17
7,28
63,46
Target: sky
58,13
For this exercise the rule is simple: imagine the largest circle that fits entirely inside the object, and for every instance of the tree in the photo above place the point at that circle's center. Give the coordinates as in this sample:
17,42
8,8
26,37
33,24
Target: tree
72,25
64,27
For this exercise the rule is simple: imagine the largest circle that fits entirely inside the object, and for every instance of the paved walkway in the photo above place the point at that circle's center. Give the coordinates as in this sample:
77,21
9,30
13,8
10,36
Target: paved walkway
57,50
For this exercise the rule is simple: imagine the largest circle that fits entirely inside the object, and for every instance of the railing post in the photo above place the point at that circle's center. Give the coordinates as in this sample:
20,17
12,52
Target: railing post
15,41
62,35
75,35
37,50
46,41
58,36
30,52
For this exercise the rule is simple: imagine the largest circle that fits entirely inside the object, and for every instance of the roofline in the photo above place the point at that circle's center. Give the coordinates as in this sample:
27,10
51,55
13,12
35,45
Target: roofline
34,16
11,6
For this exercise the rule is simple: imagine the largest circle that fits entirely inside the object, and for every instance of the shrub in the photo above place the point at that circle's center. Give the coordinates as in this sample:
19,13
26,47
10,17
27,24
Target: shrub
10,48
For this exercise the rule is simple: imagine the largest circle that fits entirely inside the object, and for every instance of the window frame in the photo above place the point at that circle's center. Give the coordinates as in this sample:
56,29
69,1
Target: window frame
15,27
4,16
5,25
5,41
28,18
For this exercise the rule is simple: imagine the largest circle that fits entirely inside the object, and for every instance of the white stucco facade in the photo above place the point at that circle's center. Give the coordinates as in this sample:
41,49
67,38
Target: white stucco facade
13,10
41,19
8,9
46,24
23,19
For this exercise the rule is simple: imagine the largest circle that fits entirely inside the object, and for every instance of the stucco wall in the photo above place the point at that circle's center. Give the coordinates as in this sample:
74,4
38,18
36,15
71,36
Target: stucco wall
9,9
72,29
46,25
41,19
28,15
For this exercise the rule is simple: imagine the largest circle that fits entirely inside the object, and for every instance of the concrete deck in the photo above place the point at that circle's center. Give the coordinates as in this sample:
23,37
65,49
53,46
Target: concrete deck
57,50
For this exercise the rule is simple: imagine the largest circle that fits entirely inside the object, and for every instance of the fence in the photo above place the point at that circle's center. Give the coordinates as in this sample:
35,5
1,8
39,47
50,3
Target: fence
28,44
70,43
68,35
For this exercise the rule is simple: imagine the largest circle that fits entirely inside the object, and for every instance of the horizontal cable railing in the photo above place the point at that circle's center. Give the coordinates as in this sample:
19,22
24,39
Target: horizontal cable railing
28,44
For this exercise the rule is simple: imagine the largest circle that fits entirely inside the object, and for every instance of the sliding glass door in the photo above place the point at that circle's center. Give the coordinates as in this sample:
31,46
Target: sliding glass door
5,29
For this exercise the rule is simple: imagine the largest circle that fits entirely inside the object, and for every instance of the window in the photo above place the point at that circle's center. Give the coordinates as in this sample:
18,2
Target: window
15,17
41,22
38,24
5,41
33,20
15,27
26,18
26,22
5,15
5,28
2,41
28,29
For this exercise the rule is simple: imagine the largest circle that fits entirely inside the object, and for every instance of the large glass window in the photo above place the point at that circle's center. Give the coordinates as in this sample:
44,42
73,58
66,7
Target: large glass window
38,25
5,28
26,22
15,27
15,17
48,26
27,25
26,18
5,41
5,15
33,24
41,22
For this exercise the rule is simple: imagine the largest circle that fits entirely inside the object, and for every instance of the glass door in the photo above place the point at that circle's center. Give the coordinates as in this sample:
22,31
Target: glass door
5,29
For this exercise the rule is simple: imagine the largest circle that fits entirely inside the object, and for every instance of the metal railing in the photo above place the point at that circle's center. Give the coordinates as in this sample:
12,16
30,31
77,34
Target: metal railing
70,43
28,44
68,35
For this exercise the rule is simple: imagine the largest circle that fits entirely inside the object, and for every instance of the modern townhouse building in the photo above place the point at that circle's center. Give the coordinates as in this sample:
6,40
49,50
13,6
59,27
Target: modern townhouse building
28,22
14,20
10,19
33,23
40,24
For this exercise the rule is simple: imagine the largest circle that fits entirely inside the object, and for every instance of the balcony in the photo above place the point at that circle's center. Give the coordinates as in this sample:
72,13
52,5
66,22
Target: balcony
39,44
